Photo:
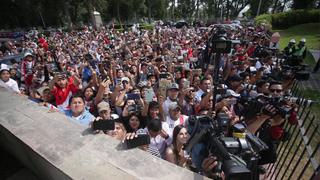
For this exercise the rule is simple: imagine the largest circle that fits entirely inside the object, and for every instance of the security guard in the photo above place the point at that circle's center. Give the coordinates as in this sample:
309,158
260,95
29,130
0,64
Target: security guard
290,49
300,52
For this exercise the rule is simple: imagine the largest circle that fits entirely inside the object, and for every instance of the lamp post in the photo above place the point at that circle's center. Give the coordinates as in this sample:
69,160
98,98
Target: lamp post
259,6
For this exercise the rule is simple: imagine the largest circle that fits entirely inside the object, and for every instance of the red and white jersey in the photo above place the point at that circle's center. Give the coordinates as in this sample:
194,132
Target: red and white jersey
63,95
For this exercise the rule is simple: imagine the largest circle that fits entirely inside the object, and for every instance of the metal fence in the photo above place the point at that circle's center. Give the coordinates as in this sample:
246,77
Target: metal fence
299,156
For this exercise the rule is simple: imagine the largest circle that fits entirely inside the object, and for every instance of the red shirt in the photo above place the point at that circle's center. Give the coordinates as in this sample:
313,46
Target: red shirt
62,95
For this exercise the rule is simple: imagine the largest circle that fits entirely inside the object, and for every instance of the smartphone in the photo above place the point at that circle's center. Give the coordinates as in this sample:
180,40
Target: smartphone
197,71
103,125
186,66
107,65
149,95
133,96
186,84
221,91
178,68
142,139
163,84
134,108
118,81
163,75
150,70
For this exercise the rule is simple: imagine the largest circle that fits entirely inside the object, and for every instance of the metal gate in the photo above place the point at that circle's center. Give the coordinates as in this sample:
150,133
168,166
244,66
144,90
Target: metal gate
299,156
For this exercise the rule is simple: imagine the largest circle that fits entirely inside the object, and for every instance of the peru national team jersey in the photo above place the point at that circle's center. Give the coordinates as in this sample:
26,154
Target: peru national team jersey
63,96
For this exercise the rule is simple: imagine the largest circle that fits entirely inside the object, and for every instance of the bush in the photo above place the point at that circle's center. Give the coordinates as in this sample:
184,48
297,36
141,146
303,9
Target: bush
287,19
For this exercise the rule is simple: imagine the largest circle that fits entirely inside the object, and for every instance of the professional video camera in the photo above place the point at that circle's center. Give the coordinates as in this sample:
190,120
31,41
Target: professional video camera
254,106
237,157
217,43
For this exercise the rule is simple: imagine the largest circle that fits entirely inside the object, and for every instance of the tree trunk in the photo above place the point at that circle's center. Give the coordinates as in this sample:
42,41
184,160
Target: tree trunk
173,6
67,14
227,9
118,13
197,9
149,11
275,7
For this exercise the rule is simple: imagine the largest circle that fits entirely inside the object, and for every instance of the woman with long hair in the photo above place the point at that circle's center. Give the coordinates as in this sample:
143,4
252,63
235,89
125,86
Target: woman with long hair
175,152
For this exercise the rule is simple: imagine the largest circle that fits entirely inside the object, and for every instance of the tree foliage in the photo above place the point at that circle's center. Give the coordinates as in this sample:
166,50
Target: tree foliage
34,13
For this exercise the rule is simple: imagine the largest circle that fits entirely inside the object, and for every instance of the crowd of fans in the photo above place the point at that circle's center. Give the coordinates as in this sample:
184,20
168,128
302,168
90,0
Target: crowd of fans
150,81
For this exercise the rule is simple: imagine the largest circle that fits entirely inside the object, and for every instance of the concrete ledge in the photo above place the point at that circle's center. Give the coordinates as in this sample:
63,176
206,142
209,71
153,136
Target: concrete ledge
55,148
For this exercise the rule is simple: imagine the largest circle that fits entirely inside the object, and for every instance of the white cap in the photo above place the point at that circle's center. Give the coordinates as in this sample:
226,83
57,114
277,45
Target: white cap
4,67
27,54
253,69
292,41
303,40
125,79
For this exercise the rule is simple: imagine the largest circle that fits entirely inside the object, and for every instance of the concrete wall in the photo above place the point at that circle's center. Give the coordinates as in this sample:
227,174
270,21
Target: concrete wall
55,148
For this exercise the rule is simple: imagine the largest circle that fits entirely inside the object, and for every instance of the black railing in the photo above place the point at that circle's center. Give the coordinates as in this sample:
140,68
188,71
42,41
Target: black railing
298,156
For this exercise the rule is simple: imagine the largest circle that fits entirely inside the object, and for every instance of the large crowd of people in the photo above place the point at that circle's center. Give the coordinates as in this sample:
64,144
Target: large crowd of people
153,81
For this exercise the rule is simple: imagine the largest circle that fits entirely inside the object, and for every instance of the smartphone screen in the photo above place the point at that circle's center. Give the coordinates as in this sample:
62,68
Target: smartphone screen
142,139
103,125
133,96
149,95
163,76
186,84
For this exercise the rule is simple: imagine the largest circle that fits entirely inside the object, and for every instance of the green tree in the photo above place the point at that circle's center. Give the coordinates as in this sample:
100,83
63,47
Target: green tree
265,5
303,4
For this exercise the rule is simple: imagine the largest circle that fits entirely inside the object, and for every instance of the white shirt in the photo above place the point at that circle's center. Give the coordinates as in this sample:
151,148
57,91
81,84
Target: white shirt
170,124
11,85
159,143
165,106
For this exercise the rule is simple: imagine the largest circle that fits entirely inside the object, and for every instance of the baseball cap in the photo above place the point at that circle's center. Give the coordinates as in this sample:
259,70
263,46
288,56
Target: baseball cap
41,89
173,86
61,75
231,92
27,54
174,105
103,106
4,67
234,78
125,79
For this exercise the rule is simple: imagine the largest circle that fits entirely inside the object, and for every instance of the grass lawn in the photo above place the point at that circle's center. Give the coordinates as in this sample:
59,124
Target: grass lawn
310,31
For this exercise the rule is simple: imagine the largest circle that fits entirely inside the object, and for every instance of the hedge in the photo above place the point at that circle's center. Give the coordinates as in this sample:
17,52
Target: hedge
287,19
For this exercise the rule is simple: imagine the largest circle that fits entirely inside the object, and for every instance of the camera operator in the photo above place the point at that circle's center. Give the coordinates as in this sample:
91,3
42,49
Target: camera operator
290,48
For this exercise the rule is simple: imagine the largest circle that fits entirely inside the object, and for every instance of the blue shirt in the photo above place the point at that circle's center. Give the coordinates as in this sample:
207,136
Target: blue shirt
85,118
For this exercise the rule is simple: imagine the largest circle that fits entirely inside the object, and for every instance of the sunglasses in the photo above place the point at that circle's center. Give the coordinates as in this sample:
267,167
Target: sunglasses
276,90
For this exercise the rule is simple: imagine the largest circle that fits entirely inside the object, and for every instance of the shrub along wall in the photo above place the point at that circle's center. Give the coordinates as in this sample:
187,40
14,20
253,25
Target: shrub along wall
287,19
